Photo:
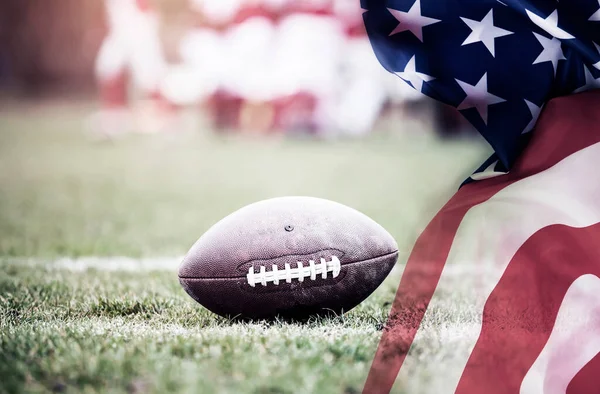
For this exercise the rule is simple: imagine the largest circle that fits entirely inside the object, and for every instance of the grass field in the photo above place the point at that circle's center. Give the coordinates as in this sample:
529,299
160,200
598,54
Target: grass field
90,233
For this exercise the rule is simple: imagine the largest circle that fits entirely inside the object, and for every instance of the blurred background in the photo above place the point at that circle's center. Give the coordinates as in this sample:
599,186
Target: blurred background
129,126
252,66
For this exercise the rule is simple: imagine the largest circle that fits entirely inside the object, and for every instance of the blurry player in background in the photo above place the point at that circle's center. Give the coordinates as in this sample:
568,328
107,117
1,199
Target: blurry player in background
309,44
204,56
231,50
251,45
360,88
130,56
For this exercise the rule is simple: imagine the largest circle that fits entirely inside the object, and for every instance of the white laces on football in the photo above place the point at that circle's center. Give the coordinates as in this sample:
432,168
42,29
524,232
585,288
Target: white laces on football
300,272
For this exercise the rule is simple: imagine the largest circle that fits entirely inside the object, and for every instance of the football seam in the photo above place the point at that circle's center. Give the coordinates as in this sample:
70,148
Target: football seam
244,277
335,252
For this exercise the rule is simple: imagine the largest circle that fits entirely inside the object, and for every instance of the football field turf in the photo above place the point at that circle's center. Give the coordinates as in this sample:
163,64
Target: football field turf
91,231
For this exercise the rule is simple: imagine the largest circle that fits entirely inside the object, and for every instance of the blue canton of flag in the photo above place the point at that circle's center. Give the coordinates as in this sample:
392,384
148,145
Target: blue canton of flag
497,62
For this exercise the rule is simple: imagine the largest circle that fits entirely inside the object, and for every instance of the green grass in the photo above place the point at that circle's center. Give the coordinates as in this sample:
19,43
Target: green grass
99,330
91,331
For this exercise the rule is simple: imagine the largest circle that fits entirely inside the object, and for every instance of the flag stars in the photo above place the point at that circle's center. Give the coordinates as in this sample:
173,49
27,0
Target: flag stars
410,74
478,97
489,172
596,15
590,81
485,31
535,114
412,21
552,51
550,25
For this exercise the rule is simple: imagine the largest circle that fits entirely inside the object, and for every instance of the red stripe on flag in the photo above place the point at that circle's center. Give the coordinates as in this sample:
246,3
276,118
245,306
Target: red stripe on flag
586,380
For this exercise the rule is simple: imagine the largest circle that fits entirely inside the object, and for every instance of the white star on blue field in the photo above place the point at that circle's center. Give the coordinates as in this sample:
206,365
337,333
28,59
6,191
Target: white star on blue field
497,62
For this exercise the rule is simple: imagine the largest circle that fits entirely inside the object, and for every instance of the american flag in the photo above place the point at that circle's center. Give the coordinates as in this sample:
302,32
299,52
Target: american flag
524,73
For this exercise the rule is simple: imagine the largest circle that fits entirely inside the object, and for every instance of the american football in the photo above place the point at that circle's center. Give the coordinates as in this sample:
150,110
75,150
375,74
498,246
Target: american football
289,257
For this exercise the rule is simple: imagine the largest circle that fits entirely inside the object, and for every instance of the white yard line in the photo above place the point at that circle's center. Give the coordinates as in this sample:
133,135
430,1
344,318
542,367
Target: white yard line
119,263
116,263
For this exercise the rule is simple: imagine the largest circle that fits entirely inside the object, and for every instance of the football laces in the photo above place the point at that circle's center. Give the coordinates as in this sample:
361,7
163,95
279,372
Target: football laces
300,272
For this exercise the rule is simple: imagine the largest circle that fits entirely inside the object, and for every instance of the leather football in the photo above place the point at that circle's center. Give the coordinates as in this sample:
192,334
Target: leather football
289,257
